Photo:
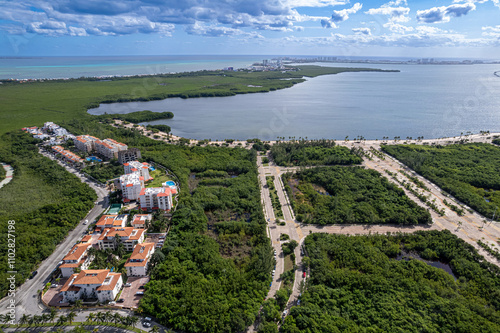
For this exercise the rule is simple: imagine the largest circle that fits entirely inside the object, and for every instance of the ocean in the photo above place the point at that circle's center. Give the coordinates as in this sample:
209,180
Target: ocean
432,101
75,67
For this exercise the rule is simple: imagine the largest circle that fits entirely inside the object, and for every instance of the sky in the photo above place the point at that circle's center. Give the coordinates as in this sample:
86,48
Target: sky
398,28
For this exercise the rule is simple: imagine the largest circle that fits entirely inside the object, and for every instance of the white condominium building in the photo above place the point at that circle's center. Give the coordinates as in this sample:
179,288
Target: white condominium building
129,237
76,257
156,198
136,166
131,186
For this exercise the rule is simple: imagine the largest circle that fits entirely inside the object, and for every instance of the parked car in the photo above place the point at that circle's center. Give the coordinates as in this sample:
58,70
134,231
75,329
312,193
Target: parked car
142,287
140,293
128,284
304,274
121,300
54,286
33,274
112,303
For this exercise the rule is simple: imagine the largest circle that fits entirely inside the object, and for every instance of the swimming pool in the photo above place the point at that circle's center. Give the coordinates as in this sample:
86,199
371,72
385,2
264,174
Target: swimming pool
170,183
93,158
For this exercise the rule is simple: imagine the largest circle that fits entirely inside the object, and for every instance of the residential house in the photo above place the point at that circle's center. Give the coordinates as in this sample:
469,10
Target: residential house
141,221
67,155
110,221
137,264
98,284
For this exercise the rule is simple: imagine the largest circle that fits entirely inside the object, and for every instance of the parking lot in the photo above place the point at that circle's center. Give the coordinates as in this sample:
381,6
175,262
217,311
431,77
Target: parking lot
157,239
53,297
129,294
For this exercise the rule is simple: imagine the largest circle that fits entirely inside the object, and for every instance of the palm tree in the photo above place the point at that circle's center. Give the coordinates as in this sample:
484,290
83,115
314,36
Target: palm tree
101,317
133,321
117,318
52,314
71,316
91,317
45,318
62,320
108,316
24,319
78,303
155,329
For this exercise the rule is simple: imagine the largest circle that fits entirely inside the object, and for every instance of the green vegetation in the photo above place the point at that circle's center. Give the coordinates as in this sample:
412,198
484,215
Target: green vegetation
33,103
43,199
159,177
158,128
357,285
104,171
469,172
138,116
494,252
320,152
278,213
330,195
2,173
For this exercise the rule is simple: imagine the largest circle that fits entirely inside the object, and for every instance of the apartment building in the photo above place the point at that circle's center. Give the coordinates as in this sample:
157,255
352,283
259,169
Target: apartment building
131,154
141,221
76,257
156,198
137,264
85,143
109,148
129,237
67,155
98,284
136,166
131,186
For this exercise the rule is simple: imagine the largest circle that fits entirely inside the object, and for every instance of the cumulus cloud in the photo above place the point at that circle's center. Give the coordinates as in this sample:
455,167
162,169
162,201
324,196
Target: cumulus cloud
364,31
443,14
315,3
491,31
340,16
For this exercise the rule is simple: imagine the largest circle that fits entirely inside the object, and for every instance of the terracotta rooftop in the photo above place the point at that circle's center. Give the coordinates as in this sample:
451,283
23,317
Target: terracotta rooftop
77,251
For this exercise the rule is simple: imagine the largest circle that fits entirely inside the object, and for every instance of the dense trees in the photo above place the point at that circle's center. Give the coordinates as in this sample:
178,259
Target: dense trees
352,195
320,152
357,285
104,172
43,211
469,172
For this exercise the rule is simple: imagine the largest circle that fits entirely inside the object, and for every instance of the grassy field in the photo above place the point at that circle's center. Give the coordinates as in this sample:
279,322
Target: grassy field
159,178
33,103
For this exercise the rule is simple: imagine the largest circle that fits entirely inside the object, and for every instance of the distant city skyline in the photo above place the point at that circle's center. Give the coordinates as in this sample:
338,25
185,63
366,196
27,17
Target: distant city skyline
398,28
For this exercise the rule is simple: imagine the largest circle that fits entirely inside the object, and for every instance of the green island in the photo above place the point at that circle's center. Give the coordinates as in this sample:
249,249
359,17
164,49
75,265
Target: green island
314,152
33,103
469,172
363,284
137,117
345,195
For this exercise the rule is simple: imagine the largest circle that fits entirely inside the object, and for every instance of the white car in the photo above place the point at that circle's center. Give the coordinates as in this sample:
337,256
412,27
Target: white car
112,303
86,221
128,284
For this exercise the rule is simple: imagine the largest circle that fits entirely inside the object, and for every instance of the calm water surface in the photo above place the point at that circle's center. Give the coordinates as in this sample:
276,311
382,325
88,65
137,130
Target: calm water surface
431,101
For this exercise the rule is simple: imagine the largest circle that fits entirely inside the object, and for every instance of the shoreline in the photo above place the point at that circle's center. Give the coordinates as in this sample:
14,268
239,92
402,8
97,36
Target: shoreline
162,136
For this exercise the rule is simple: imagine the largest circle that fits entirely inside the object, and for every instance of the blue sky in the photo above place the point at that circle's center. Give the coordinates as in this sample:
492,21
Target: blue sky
454,28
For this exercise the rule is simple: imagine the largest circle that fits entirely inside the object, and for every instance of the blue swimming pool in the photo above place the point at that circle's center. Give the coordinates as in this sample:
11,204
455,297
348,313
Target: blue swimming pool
94,159
152,168
170,183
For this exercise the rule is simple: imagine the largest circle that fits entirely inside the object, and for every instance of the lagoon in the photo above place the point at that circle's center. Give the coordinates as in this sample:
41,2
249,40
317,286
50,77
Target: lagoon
422,100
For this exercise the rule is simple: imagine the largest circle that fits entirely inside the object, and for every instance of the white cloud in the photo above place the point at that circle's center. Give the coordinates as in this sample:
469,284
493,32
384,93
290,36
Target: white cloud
398,28
315,3
491,31
364,31
396,14
342,15
443,14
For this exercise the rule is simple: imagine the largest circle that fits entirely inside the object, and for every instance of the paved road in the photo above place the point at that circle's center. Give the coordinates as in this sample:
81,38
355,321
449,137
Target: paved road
26,295
9,173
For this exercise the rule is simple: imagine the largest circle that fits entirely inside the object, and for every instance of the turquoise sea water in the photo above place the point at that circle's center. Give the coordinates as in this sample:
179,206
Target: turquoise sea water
74,67
422,100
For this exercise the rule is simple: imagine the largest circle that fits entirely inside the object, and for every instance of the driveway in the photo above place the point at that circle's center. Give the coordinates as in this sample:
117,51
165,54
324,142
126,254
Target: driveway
129,293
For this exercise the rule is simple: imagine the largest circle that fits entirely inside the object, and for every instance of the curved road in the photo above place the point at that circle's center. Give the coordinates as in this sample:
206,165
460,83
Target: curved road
9,173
